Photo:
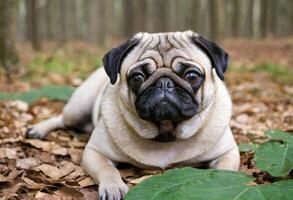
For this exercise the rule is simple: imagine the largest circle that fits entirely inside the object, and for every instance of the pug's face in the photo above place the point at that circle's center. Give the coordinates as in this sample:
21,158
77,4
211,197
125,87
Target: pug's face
165,75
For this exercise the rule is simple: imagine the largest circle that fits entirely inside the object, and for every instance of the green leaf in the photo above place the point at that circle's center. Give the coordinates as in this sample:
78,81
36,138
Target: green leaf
275,158
197,184
280,135
52,92
276,155
248,147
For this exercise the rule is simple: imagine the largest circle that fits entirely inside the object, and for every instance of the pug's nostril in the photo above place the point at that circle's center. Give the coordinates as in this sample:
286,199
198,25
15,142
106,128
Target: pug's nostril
170,84
164,83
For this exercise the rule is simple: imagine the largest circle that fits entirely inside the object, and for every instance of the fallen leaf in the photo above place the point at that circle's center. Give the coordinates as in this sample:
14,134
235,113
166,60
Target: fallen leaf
86,182
13,174
11,140
251,184
52,147
3,179
138,180
74,171
51,171
11,153
76,143
27,163
2,153
45,196
32,184
69,193
18,105
127,172
75,154
90,193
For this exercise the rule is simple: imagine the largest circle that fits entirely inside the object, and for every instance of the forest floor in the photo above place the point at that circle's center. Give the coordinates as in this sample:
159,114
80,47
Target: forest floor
259,80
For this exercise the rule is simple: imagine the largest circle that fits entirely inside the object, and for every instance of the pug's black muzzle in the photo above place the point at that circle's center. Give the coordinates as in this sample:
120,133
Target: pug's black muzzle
165,100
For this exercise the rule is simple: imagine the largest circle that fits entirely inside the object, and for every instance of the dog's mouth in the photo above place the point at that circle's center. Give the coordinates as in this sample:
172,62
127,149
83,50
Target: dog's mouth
166,129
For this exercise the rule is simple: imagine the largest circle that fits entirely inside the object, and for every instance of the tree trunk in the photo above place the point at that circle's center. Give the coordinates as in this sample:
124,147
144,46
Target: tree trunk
49,20
217,19
128,18
263,18
161,11
235,22
195,15
32,17
141,9
101,22
63,21
8,53
249,22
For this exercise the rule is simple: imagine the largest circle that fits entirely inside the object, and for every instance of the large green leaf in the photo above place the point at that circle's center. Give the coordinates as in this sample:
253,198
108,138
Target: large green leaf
247,147
276,155
280,135
197,184
52,92
275,158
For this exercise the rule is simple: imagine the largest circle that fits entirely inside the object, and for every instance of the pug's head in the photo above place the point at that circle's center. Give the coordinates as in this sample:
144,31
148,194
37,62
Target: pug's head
167,77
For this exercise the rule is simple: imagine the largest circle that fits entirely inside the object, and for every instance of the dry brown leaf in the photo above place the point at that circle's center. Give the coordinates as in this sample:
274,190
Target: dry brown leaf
45,196
3,179
76,143
51,171
75,154
75,171
86,182
127,172
42,112
27,163
52,147
90,193
11,153
138,180
18,105
13,174
11,140
251,184
69,194
152,171
29,183
2,153
10,192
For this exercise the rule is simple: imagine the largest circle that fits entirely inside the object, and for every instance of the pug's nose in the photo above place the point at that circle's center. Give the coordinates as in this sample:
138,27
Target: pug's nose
164,83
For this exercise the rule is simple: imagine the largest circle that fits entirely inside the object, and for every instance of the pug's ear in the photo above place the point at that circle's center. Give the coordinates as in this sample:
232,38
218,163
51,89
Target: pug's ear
218,56
113,59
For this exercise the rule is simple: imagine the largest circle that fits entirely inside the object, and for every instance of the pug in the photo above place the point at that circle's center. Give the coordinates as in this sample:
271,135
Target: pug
159,101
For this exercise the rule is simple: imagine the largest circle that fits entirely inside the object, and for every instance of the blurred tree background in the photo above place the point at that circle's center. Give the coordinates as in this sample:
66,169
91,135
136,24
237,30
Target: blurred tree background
101,21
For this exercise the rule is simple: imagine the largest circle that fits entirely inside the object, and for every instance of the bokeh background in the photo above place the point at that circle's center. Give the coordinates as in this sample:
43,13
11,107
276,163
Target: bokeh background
48,47
101,21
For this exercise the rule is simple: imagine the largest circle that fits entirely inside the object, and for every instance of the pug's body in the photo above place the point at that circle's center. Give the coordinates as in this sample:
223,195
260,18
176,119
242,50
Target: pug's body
165,105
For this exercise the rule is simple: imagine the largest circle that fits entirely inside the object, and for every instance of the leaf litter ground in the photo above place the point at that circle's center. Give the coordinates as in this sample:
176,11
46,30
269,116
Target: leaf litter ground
50,169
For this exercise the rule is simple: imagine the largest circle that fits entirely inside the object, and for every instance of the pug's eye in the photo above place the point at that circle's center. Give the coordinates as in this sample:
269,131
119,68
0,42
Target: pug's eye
192,78
136,80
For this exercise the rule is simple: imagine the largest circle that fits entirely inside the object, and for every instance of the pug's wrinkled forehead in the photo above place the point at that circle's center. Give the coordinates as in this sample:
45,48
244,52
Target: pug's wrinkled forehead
165,50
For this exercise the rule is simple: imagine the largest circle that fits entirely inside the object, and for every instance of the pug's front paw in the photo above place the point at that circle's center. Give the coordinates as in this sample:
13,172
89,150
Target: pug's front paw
112,191
35,132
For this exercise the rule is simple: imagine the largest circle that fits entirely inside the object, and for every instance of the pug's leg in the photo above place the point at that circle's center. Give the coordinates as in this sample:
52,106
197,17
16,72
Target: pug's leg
229,161
77,112
41,129
102,170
